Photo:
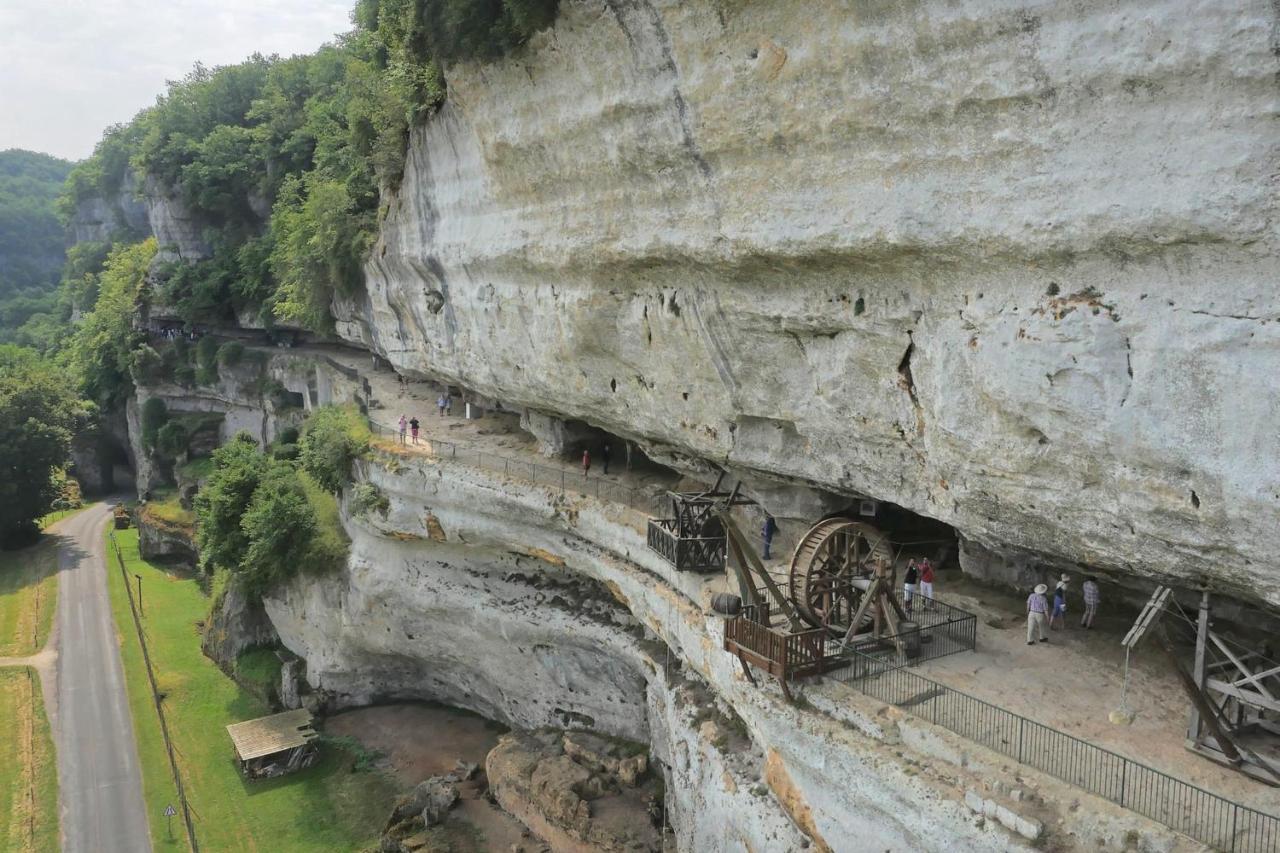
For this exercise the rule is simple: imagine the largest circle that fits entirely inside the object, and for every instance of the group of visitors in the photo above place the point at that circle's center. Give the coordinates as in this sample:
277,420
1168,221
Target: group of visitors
410,425
1043,615
172,333
918,581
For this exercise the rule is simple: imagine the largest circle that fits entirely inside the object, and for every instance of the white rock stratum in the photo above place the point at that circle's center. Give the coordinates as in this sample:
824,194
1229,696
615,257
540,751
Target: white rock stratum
1012,267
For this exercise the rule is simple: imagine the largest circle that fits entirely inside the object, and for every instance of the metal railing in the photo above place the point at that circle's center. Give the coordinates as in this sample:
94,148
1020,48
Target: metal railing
936,630
686,553
1185,808
564,479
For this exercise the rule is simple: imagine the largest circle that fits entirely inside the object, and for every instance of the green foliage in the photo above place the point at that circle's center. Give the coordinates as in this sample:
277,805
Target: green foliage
279,526
264,519
32,246
146,366
331,439
171,440
230,353
38,411
206,361
367,498
154,415
101,351
222,500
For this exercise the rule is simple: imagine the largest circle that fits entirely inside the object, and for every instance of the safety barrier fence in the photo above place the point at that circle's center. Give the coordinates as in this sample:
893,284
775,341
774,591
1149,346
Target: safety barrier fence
156,698
1185,808
564,479
934,630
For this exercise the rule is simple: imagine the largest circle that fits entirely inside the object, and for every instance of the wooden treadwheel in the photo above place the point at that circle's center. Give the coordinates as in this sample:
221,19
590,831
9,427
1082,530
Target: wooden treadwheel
830,570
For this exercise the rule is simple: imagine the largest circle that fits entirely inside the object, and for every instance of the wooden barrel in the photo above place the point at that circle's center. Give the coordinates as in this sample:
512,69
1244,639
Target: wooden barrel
726,604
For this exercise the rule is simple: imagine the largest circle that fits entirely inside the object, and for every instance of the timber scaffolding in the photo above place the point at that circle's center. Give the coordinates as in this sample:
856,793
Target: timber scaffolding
692,538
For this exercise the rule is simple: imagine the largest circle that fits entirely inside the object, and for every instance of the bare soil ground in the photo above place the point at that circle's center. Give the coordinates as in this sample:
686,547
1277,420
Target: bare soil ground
1073,682
420,741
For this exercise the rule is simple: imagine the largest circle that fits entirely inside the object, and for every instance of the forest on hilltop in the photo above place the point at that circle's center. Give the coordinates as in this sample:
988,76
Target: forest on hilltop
32,241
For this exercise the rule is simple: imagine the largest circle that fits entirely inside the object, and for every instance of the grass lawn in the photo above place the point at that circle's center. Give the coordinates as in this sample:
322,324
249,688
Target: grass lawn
326,807
28,770
28,592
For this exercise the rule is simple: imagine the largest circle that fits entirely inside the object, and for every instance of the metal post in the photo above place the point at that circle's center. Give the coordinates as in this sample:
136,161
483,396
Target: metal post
1021,725
139,577
1197,672
562,482
1124,779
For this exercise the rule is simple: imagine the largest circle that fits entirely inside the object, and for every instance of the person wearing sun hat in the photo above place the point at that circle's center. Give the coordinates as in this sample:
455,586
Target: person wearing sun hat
1059,613
1038,615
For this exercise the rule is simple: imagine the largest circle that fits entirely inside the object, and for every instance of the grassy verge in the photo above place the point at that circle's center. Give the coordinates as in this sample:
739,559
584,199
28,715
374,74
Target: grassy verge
28,772
59,514
165,512
326,807
28,592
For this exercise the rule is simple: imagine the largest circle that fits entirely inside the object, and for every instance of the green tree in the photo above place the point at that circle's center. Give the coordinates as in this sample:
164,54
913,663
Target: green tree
38,411
102,347
279,527
331,440
223,499
154,417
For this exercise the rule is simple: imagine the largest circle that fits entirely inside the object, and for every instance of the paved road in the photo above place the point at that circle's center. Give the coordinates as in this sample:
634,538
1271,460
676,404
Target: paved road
99,780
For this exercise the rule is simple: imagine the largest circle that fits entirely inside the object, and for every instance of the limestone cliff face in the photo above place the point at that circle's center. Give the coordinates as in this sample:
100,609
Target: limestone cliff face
1010,268
99,219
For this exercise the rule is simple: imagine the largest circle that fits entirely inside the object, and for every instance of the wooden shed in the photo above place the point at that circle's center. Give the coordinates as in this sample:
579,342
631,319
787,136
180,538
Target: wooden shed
274,745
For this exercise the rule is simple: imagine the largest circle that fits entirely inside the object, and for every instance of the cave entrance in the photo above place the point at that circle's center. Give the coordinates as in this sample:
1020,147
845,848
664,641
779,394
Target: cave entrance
913,535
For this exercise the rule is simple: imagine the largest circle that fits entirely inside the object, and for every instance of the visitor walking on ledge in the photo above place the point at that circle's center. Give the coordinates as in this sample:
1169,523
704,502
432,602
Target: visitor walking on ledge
1091,599
1038,615
926,581
586,463
909,584
413,427
770,528
1059,614
404,425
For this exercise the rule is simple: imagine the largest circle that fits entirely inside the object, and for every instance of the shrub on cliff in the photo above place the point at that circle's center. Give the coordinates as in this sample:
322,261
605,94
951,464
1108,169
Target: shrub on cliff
230,353
101,351
155,414
171,440
331,439
223,499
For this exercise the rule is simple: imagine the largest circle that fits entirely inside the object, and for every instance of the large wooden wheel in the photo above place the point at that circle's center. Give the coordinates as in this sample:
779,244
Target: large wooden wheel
830,571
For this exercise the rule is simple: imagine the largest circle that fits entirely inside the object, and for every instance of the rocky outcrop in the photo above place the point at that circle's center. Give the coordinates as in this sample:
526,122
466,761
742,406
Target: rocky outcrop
578,792
165,542
1009,268
238,623
100,219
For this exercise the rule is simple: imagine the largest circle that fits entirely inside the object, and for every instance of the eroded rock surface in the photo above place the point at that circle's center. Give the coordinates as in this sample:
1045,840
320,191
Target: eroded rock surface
1010,268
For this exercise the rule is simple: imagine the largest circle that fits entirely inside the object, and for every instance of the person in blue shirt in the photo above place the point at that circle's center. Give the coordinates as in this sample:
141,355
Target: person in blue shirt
770,528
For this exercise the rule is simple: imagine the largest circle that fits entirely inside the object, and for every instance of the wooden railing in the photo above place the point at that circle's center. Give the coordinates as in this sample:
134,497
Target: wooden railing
780,653
687,554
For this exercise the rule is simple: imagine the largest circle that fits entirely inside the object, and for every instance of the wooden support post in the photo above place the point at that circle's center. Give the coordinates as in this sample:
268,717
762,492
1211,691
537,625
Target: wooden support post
746,670
1197,673
742,551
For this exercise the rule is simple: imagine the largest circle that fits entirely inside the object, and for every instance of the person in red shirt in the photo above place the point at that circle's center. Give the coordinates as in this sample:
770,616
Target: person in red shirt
926,581
586,463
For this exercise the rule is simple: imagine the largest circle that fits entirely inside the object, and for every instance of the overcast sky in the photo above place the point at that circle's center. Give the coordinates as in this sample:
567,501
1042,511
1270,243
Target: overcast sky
69,68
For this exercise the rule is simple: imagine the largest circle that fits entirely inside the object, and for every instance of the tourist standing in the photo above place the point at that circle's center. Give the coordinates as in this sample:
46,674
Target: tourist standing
909,584
926,580
604,458
1091,599
441,405
413,428
1060,604
586,463
404,425
770,527
1038,615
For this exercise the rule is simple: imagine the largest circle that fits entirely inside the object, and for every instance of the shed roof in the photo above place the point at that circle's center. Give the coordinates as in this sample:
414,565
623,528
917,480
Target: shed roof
268,735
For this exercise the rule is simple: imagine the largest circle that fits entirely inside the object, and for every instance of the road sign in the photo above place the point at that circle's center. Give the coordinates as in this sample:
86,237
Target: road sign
169,812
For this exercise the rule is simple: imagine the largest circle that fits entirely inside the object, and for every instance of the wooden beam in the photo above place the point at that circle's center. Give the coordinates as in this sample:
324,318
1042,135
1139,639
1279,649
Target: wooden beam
1249,676
1247,696
1208,713
1197,673
747,557
867,598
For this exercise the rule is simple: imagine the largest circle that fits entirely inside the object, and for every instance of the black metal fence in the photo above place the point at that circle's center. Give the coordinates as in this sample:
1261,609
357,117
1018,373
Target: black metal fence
564,479
935,630
1193,811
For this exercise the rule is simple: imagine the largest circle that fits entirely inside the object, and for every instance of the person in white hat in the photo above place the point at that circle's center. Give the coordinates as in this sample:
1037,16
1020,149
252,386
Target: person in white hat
1059,613
1038,615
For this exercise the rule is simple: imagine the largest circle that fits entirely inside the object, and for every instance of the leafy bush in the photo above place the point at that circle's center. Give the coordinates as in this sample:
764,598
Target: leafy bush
367,498
288,435
279,526
230,353
184,375
146,366
101,351
171,440
222,500
331,439
155,414
206,361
